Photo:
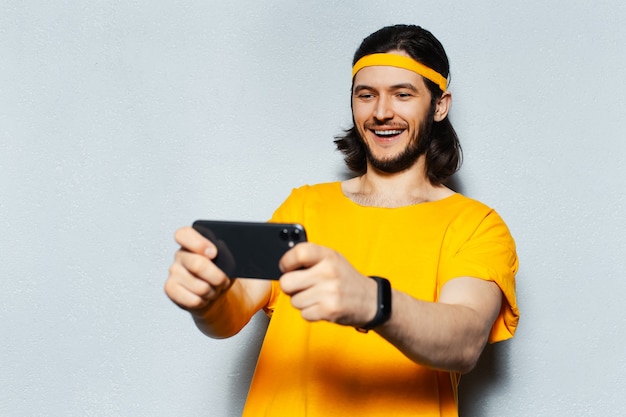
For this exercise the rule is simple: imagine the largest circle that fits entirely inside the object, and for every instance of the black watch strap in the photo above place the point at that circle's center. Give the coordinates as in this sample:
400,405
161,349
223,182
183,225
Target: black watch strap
383,306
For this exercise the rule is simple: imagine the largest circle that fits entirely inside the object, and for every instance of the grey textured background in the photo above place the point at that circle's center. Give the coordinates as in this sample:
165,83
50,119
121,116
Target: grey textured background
121,121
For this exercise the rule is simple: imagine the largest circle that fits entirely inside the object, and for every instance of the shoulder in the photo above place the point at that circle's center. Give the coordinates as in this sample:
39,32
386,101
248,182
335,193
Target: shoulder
464,202
321,188
461,208
317,191
470,218
302,198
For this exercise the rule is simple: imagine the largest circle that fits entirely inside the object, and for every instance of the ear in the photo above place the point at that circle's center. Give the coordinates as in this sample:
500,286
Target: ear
443,106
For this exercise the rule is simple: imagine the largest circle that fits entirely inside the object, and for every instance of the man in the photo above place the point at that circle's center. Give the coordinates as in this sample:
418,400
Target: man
424,274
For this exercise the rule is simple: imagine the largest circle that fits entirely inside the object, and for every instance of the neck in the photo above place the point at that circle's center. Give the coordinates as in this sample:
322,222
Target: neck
405,188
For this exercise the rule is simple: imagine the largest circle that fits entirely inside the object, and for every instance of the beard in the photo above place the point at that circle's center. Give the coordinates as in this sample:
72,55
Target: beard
404,160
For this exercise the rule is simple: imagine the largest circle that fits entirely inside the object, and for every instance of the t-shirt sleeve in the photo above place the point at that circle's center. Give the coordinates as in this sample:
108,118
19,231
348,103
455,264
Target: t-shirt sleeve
488,252
290,211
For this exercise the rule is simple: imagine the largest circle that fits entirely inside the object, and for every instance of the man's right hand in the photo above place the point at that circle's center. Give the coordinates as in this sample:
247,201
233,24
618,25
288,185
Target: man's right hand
194,281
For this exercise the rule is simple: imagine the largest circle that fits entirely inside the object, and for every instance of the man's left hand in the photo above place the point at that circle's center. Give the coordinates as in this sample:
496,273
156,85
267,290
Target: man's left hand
323,285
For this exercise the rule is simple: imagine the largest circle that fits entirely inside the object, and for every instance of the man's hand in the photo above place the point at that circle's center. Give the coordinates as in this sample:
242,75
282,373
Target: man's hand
194,281
220,306
449,334
324,286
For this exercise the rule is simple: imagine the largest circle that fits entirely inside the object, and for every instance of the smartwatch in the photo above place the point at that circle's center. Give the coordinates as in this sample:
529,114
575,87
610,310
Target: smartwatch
383,306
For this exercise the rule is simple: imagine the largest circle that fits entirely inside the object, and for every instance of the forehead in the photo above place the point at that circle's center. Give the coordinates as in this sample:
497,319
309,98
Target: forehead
382,76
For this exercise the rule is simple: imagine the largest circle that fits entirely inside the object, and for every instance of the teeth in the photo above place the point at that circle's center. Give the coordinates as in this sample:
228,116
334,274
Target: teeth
387,132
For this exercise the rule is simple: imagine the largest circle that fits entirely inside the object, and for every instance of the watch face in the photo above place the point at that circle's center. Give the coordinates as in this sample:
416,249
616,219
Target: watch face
383,306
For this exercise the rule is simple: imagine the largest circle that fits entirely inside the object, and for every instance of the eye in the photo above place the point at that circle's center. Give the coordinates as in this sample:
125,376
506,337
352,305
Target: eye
404,95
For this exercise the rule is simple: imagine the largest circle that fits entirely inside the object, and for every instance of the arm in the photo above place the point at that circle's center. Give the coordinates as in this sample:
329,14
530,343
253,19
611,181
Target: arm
449,334
219,306
231,312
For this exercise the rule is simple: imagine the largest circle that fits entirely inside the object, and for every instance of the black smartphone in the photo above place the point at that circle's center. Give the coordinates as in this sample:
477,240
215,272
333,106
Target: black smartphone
250,249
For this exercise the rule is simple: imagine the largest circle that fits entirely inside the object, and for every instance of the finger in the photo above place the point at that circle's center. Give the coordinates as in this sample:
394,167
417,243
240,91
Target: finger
295,282
321,301
189,291
303,255
181,277
203,268
192,241
184,298
307,265
305,297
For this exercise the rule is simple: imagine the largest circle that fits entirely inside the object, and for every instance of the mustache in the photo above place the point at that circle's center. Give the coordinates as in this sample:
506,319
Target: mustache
393,126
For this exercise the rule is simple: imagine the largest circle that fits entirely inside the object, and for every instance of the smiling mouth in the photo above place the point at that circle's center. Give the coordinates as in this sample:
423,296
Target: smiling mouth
387,133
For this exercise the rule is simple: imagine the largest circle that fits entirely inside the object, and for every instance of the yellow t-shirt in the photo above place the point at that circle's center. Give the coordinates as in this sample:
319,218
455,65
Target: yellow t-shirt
324,369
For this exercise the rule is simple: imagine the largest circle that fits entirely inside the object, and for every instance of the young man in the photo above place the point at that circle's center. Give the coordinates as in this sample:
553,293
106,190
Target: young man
403,282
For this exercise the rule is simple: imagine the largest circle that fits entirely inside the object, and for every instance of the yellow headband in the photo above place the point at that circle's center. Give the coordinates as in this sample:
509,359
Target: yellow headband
400,61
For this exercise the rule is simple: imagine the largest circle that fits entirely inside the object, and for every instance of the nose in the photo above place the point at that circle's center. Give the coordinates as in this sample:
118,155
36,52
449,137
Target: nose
383,110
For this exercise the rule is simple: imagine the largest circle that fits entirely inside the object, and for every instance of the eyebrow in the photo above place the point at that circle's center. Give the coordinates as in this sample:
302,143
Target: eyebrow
408,86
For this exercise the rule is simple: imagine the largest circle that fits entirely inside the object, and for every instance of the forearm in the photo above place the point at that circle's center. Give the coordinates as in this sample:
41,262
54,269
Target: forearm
438,335
230,313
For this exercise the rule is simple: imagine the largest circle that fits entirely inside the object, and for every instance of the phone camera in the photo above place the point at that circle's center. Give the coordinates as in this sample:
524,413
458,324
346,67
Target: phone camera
296,234
284,234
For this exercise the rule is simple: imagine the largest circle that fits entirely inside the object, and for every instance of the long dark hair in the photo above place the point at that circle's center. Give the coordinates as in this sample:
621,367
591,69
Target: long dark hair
442,150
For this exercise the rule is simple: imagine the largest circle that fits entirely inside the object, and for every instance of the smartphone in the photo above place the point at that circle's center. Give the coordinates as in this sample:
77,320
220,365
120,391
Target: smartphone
250,249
